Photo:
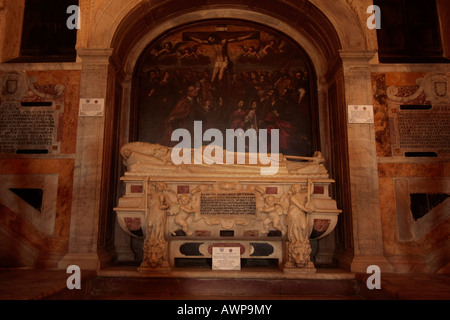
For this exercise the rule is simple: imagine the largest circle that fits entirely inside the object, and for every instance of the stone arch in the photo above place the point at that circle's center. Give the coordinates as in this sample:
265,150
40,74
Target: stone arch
327,21
304,23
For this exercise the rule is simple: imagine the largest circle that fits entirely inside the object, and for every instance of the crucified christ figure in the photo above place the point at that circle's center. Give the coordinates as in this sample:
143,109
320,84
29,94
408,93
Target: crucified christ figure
221,48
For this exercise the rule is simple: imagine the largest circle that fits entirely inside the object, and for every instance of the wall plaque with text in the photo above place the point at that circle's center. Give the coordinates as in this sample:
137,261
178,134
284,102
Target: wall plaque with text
421,132
29,128
228,203
92,107
226,258
360,114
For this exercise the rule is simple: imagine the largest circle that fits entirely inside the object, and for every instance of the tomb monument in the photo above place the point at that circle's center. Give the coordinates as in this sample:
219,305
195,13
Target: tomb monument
184,211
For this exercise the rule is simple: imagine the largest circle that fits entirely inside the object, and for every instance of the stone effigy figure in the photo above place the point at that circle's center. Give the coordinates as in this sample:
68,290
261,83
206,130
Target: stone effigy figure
145,158
137,153
299,248
158,206
313,166
155,246
296,215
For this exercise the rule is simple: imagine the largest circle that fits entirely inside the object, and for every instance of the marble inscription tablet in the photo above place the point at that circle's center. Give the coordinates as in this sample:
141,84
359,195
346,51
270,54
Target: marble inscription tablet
29,128
226,258
422,131
228,203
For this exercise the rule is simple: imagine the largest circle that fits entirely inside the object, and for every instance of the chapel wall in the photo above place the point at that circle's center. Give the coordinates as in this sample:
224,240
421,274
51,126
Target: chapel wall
39,120
412,136
82,172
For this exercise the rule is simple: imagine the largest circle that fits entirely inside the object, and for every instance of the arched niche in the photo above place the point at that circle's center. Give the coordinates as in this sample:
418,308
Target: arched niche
133,28
246,76
319,46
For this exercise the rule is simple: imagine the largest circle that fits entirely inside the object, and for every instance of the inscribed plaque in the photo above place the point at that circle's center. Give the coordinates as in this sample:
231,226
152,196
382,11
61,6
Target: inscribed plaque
360,114
28,129
228,203
422,131
226,258
92,107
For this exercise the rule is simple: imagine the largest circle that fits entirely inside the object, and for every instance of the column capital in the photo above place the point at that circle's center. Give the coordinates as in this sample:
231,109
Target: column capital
357,55
356,58
95,56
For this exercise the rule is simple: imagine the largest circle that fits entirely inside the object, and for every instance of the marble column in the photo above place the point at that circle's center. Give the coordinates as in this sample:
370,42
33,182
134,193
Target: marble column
86,205
364,186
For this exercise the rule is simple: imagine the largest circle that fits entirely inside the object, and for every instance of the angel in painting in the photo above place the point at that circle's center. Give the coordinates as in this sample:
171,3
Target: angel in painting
250,55
168,54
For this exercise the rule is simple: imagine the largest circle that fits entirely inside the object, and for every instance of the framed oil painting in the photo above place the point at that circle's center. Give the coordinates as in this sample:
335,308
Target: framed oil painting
228,75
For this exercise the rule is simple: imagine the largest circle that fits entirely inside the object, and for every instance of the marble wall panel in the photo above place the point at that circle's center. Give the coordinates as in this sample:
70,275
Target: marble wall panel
414,245
411,245
38,237
47,232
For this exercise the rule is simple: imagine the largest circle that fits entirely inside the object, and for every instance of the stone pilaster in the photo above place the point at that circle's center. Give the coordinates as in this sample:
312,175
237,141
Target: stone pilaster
366,216
84,226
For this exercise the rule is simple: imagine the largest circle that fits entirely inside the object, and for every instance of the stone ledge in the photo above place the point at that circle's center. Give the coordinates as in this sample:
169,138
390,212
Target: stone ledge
271,274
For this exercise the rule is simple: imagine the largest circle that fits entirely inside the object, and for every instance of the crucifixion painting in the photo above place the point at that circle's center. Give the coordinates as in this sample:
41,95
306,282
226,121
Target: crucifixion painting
220,45
229,76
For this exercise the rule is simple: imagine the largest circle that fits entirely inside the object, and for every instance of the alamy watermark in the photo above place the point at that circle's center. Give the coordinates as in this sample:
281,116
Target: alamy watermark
374,21
373,281
74,20
74,281
256,148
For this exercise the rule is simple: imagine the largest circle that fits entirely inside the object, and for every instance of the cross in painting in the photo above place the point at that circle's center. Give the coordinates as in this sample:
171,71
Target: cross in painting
219,40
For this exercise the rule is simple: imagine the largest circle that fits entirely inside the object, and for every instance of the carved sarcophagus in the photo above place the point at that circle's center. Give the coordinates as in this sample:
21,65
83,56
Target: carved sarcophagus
182,212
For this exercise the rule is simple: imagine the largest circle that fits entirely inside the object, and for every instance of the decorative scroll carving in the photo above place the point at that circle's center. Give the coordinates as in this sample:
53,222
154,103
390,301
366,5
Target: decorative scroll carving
434,85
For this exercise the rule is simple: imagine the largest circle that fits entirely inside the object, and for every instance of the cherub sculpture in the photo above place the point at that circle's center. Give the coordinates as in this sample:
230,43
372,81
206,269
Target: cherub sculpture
185,209
274,211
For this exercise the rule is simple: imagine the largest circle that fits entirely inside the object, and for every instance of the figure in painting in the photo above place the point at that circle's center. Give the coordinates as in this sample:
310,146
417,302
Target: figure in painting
251,118
183,115
250,55
168,53
189,57
238,116
274,120
221,48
